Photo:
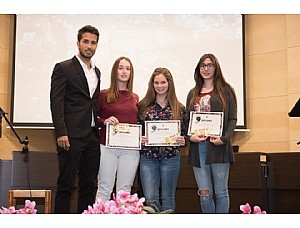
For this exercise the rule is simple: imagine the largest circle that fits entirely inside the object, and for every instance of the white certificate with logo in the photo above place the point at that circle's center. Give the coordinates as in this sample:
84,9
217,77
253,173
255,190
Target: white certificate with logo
124,136
162,132
211,123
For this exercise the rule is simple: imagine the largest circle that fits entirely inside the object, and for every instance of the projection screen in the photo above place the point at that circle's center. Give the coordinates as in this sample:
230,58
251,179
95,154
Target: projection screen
174,41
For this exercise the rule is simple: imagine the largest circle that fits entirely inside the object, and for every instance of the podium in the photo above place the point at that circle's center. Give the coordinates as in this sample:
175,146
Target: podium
295,112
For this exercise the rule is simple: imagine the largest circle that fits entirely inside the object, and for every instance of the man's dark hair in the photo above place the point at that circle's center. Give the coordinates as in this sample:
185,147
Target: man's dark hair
89,29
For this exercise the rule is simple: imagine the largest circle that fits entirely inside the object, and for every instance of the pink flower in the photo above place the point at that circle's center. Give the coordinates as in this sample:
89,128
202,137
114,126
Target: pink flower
122,203
257,210
29,208
246,209
10,210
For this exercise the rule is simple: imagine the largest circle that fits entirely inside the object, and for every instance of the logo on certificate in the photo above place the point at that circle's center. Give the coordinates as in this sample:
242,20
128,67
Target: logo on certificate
153,128
198,118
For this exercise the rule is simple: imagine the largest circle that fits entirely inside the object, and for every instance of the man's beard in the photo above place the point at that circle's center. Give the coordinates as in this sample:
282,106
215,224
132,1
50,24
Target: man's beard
86,56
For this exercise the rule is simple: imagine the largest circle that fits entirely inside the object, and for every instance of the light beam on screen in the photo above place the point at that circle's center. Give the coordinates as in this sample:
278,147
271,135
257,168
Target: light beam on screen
174,41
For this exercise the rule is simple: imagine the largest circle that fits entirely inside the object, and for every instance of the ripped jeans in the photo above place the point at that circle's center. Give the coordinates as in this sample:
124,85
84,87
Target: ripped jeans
160,173
218,173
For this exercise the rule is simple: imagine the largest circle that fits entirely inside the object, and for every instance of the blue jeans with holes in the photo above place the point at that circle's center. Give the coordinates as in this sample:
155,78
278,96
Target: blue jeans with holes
218,173
156,173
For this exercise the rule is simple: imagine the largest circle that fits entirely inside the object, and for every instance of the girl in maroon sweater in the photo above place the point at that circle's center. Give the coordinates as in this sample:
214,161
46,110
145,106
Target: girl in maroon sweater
117,104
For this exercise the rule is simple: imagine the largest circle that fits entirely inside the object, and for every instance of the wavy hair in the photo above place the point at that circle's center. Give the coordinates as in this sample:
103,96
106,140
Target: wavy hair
150,96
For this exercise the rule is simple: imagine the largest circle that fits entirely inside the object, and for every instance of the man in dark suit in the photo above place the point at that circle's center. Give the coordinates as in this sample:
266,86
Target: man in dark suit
75,84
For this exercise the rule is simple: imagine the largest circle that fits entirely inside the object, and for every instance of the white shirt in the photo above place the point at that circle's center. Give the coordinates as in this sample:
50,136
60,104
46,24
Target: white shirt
92,80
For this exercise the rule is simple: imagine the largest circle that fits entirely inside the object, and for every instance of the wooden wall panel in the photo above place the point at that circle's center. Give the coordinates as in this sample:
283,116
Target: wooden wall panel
265,68
267,33
293,70
293,30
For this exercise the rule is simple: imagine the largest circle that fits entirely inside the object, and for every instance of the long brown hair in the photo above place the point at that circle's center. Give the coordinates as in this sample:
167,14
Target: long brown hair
113,90
219,81
150,96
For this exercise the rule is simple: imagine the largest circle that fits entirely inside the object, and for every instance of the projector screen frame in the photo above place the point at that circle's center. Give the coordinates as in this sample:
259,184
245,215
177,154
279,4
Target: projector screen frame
38,125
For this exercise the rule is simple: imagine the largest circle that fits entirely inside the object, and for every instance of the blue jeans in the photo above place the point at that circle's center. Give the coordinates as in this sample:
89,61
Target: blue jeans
156,173
220,174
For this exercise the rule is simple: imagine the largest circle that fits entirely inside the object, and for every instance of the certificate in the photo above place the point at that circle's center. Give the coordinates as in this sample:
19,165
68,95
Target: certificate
124,136
162,132
211,123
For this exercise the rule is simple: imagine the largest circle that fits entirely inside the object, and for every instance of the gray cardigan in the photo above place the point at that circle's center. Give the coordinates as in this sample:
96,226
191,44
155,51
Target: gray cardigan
222,153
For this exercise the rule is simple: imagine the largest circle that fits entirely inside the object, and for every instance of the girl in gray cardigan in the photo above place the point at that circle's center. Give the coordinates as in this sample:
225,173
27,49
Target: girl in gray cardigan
211,156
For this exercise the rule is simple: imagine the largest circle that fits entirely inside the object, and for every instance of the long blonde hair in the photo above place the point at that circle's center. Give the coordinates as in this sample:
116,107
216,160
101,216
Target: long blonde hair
113,90
150,96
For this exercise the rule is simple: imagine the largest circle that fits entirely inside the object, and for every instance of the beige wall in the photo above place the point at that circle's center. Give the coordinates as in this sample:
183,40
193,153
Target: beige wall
272,49
39,140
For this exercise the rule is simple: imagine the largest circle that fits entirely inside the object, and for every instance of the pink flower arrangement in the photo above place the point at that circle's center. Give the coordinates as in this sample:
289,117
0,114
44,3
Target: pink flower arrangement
29,208
246,209
122,203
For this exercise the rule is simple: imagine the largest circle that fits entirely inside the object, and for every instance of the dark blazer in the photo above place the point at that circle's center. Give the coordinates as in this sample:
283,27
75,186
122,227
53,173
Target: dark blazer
70,101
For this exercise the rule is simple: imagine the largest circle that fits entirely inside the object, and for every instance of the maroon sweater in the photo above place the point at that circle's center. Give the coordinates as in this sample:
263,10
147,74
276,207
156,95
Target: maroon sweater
124,109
